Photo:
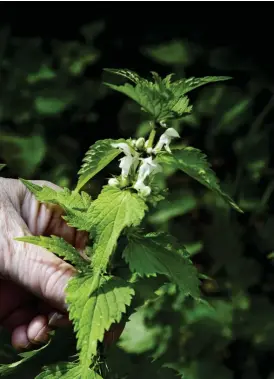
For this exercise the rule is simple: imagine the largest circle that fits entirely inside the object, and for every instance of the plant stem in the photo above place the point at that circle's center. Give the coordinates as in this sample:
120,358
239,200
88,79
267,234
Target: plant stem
151,136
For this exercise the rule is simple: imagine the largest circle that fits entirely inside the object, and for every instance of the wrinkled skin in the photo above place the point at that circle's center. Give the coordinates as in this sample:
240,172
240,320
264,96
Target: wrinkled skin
32,280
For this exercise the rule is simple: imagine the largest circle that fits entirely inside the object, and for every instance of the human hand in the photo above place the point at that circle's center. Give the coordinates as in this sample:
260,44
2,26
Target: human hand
32,280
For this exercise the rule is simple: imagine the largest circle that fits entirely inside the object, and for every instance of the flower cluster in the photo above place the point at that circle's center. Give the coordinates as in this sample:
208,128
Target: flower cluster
135,170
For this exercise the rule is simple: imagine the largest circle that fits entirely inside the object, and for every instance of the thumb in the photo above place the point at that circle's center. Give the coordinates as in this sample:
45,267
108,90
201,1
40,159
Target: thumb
33,267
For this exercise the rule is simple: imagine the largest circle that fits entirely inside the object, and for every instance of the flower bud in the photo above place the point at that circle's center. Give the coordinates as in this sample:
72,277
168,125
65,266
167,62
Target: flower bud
140,143
113,182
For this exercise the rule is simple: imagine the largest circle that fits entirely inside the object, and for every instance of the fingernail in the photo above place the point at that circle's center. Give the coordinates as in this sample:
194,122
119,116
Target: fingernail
42,337
22,348
54,318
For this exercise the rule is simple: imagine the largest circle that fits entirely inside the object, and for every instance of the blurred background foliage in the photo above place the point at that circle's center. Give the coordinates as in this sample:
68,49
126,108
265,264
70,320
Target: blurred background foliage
53,107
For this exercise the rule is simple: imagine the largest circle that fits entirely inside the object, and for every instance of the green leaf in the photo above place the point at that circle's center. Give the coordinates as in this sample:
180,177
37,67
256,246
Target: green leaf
128,74
49,106
97,157
78,219
160,103
150,255
9,368
95,303
58,246
110,214
2,166
45,73
68,200
186,85
175,52
194,163
66,370
75,204
161,98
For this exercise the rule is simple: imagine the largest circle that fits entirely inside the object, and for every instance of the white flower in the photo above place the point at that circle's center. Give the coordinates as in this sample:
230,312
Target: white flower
113,182
147,168
129,161
165,139
124,147
142,188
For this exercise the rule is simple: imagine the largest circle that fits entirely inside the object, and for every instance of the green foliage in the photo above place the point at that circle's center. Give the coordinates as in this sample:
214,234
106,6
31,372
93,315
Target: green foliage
51,87
111,213
147,255
97,157
97,298
59,247
193,162
163,99
66,371
95,303
68,200
175,52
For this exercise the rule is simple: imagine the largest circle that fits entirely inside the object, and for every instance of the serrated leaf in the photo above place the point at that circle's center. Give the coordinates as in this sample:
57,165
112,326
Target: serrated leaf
95,303
2,166
162,99
149,255
128,74
9,368
194,163
66,370
58,246
68,200
156,100
186,85
110,214
78,220
97,157
74,204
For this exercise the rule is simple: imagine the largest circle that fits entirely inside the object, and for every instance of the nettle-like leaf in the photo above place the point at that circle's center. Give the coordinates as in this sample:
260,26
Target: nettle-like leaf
162,99
68,200
9,368
194,163
66,370
153,254
95,303
110,214
97,157
58,246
